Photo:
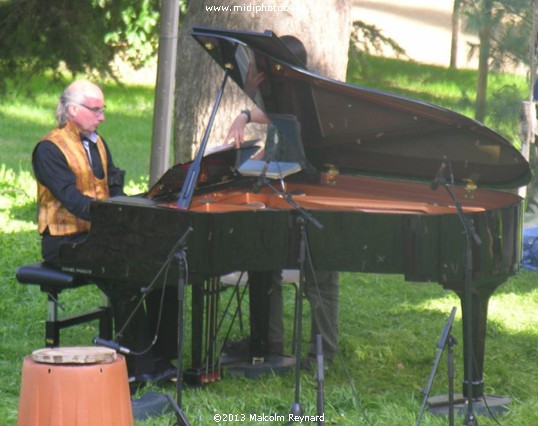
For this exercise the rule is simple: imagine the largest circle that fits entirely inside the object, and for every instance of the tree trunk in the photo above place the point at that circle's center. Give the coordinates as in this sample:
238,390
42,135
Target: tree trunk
485,32
528,122
323,26
456,28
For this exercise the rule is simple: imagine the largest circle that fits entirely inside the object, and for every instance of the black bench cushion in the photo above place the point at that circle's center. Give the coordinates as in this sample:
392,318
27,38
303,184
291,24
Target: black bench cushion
47,275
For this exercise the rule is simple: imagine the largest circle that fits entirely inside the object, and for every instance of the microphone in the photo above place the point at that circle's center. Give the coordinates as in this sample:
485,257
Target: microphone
111,344
262,179
440,176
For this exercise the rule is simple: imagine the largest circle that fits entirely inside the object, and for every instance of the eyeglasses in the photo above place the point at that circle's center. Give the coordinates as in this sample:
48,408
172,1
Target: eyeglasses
95,110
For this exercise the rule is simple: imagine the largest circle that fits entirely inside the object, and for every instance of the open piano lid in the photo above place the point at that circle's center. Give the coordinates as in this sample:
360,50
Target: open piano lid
361,130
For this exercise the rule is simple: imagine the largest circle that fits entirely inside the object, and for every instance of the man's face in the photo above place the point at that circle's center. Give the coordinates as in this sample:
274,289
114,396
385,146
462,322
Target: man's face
88,115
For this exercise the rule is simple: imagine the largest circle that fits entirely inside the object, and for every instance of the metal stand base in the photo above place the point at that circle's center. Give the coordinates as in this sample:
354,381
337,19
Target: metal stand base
486,405
252,368
151,404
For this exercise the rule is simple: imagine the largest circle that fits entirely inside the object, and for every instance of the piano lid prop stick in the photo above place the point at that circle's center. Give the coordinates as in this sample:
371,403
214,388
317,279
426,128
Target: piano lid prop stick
187,191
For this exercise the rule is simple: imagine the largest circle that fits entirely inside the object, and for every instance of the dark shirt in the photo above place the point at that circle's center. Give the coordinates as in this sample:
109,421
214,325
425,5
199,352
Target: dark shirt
51,169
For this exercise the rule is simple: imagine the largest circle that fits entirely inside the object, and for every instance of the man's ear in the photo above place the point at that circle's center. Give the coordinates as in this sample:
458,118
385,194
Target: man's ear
72,110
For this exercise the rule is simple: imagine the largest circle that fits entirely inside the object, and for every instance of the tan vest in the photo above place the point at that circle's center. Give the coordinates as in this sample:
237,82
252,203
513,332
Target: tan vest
51,211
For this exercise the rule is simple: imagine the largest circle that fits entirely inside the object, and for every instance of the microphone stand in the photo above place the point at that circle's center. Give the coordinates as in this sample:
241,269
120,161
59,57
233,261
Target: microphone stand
262,179
320,380
470,237
181,420
289,199
302,219
446,341
177,251
296,408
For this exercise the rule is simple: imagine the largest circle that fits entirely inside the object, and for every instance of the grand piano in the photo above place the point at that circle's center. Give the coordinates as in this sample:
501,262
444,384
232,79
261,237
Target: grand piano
369,161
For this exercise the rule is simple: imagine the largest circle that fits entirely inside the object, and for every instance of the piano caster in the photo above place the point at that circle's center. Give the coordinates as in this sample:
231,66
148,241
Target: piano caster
200,376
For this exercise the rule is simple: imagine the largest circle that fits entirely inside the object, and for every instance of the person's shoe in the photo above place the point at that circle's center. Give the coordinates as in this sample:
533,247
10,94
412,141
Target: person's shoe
237,347
239,351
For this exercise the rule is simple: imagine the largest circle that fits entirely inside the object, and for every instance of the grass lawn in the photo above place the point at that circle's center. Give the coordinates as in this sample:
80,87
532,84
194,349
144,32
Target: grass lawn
389,328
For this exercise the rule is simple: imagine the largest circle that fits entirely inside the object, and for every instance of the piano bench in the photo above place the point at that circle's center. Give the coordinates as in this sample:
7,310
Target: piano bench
53,281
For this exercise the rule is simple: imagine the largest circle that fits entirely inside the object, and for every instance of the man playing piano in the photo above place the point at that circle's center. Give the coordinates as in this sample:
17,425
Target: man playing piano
321,287
73,166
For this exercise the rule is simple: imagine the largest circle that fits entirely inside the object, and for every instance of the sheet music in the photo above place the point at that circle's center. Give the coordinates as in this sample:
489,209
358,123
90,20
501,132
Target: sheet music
274,170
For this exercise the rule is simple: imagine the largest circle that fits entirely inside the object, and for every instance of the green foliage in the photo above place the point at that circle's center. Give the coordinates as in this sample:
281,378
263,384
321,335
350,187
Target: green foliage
366,40
510,30
503,105
82,37
133,29
17,200
38,35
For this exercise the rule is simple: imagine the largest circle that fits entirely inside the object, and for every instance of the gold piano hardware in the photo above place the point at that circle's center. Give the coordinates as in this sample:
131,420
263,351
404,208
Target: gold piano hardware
209,46
332,172
469,188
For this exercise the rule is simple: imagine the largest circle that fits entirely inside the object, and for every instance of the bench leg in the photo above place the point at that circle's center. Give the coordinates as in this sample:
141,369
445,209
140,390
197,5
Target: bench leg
106,320
52,331
54,324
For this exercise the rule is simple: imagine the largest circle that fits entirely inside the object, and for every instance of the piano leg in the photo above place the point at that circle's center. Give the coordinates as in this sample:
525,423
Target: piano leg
479,309
204,354
483,404
197,318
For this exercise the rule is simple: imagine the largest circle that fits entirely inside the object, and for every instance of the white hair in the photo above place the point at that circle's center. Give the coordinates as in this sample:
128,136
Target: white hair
75,93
